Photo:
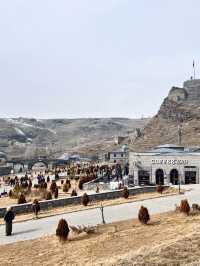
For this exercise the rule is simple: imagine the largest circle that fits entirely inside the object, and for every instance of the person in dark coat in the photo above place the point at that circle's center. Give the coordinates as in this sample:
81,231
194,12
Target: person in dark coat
36,207
8,218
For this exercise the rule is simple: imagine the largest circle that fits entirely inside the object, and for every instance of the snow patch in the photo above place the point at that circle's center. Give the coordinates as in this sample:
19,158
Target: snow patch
24,124
19,131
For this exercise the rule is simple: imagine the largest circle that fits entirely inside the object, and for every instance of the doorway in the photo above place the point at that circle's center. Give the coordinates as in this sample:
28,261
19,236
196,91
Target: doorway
159,177
174,176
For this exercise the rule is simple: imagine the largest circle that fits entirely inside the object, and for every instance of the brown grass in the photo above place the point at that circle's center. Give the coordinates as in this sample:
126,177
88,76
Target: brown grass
169,239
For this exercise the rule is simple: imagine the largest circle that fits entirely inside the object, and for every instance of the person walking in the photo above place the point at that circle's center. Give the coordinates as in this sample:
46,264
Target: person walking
36,208
8,218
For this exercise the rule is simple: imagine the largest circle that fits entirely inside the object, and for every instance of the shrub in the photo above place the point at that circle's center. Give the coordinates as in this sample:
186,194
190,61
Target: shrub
48,195
62,230
65,187
85,199
16,190
185,207
43,185
125,192
68,183
85,179
143,215
21,199
36,207
10,194
53,187
17,187
159,189
56,193
74,193
80,184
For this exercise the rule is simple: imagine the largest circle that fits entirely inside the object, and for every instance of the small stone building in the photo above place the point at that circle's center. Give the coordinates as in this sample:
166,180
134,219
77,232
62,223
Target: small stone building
165,164
120,155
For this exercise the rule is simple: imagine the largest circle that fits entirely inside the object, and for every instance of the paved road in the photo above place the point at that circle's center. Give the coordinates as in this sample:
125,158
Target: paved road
37,228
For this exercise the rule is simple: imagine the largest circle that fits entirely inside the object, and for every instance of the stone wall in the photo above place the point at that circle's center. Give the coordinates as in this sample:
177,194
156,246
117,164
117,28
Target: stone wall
27,208
5,170
193,89
177,94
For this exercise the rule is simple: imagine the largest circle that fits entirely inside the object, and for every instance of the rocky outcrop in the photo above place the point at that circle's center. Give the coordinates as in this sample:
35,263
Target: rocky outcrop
180,108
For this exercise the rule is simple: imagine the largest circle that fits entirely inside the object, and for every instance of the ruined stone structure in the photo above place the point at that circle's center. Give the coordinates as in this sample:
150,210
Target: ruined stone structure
190,92
192,88
177,94
180,108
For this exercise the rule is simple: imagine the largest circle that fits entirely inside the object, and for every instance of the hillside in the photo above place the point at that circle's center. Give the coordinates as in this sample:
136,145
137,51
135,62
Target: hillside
180,109
23,137
169,239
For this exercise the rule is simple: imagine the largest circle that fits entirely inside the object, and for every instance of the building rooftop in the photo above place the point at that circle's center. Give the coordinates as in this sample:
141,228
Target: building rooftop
163,150
122,149
172,149
169,146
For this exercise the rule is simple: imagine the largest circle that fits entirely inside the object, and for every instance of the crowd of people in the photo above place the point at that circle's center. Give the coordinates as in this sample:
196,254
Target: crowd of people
79,171
110,171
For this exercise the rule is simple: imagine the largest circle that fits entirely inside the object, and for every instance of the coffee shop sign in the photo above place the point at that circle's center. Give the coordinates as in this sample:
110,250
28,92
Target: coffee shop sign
170,162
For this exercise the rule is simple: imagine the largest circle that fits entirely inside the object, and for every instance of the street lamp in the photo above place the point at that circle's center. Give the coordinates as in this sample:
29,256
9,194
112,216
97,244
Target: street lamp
179,179
179,185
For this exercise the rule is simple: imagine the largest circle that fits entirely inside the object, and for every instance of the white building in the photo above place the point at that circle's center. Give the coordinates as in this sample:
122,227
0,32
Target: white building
165,164
121,155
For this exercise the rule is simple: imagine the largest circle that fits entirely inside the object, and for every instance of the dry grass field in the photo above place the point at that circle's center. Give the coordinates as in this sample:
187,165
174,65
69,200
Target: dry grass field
169,239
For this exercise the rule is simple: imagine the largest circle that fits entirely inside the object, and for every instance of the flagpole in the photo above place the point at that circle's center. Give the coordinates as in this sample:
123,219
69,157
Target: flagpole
194,68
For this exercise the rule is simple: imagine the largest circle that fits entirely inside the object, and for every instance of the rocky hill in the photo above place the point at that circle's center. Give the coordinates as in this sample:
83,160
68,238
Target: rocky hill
23,137
179,112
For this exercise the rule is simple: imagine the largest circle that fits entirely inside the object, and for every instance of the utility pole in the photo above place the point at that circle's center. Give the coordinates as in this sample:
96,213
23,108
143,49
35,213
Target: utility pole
179,134
179,179
178,121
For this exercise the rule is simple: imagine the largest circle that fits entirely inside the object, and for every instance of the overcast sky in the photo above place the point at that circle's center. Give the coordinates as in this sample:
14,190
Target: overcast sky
94,58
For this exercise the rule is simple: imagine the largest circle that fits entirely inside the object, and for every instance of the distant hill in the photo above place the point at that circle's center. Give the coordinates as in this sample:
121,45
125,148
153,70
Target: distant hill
23,137
180,108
